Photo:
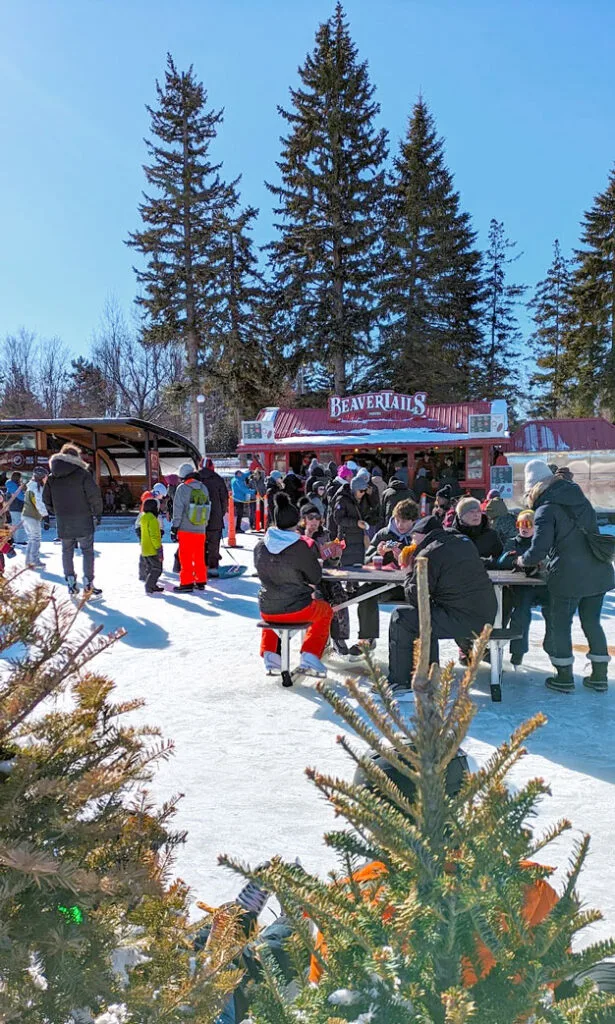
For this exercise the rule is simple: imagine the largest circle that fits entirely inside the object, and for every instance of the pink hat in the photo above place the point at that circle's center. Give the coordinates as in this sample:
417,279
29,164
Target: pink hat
344,473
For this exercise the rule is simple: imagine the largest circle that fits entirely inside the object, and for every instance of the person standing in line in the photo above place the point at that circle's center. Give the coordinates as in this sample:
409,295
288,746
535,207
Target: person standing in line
190,515
73,496
577,580
15,494
33,516
218,506
242,493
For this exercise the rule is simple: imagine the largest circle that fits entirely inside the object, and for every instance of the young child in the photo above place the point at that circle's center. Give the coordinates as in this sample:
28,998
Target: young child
151,546
146,496
329,551
521,599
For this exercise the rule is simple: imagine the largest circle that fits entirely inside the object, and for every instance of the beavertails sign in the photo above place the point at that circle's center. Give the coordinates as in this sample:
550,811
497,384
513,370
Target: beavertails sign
375,403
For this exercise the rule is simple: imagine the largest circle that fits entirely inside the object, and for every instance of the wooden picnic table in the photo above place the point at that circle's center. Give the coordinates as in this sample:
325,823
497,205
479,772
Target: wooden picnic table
391,578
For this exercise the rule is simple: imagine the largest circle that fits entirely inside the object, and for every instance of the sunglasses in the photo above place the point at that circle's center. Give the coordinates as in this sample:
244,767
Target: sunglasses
312,515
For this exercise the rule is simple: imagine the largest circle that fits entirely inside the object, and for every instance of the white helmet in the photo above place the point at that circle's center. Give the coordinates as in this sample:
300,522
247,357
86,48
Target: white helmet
159,491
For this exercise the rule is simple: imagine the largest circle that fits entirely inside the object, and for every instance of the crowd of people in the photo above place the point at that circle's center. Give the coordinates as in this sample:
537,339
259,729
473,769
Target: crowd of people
348,516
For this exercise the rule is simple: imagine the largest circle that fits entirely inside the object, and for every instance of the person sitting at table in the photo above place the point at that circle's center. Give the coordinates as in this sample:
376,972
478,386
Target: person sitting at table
386,544
463,600
499,518
330,551
519,601
444,502
471,522
288,567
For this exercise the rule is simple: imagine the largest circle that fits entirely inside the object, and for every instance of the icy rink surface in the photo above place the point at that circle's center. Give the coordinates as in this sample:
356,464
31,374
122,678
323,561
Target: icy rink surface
242,742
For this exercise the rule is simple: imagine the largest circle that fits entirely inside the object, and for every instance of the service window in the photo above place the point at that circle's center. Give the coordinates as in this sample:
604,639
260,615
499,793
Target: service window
474,464
279,462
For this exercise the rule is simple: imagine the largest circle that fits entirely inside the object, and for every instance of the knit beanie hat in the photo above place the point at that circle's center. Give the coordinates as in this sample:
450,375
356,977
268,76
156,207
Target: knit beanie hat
426,525
40,472
494,493
344,472
352,465
465,505
186,469
285,514
358,483
308,509
445,493
535,472
150,505
363,474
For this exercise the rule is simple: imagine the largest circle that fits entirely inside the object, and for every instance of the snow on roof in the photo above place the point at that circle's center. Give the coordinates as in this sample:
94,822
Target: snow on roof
594,434
417,435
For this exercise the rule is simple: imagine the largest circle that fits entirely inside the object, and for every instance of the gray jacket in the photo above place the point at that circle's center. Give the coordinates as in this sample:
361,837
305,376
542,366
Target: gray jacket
181,506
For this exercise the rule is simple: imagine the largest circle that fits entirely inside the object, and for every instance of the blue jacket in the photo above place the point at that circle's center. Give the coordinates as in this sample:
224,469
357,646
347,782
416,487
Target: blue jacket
572,570
240,489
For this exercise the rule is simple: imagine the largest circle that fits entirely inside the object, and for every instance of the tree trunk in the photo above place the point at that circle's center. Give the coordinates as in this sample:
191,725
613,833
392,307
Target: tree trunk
191,337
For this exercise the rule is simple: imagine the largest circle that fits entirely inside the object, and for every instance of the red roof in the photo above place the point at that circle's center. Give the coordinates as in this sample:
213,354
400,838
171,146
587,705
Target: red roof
447,418
564,435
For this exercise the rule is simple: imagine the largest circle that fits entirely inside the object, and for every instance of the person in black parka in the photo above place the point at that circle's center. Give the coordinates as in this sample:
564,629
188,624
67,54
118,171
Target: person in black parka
218,507
396,491
472,523
576,579
288,568
72,495
347,522
463,600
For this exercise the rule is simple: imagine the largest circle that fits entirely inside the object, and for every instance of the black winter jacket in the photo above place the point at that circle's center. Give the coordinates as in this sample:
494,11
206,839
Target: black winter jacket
370,506
396,491
458,580
218,498
344,518
293,485
72,495
286,577
572,570
486,540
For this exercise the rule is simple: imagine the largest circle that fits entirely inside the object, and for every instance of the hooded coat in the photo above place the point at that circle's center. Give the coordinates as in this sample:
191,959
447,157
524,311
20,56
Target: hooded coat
500,519
218,497
72,495
396,491
345,517
288,567
458,580
572,570
486,540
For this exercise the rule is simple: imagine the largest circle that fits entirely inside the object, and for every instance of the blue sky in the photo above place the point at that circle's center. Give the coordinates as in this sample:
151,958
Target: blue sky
522,90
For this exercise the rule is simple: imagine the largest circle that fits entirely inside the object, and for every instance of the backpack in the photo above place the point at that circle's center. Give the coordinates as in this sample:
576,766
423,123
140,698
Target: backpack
601,545
198,509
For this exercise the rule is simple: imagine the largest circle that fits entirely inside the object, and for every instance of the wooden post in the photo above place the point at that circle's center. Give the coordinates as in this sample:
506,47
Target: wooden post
420,680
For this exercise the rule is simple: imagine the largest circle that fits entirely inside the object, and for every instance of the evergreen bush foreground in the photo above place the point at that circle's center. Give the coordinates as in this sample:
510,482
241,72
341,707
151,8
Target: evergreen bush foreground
451,927
85,857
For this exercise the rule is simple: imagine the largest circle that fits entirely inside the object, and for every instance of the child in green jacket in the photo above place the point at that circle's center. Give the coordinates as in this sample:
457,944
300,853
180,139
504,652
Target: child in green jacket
151,546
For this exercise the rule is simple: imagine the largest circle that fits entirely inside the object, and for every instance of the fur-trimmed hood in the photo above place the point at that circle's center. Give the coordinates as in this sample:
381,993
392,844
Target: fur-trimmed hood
63,464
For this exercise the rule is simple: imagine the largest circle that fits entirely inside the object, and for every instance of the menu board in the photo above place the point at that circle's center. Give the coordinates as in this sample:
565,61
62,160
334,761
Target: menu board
501,479
474,464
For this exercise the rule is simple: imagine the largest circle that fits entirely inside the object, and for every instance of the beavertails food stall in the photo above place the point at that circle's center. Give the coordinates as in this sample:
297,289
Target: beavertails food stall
385,429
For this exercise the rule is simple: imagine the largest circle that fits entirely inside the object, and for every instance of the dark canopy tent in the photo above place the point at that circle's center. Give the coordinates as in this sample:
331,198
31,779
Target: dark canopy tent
110,441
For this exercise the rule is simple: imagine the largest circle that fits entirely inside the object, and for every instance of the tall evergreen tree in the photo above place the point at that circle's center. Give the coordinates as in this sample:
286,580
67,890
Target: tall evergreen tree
501,326
432,284
590,356
183,234
244,368
89,392
551,312
329,201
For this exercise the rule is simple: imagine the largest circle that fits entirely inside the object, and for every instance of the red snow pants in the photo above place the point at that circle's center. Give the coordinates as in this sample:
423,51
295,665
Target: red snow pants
319,614
192,557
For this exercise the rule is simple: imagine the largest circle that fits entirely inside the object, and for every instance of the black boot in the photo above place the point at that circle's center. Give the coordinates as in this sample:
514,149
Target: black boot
598,679
563,682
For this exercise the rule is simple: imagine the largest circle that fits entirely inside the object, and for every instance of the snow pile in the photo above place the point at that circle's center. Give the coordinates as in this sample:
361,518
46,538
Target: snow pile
243,742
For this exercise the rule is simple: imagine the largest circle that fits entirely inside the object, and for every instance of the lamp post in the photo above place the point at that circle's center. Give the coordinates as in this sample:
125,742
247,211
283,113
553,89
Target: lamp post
201,404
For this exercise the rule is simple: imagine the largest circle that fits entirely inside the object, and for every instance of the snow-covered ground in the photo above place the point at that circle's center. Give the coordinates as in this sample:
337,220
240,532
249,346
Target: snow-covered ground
242,742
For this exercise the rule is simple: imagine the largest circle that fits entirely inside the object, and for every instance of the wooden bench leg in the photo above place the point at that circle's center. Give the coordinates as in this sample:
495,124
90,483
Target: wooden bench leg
497,660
